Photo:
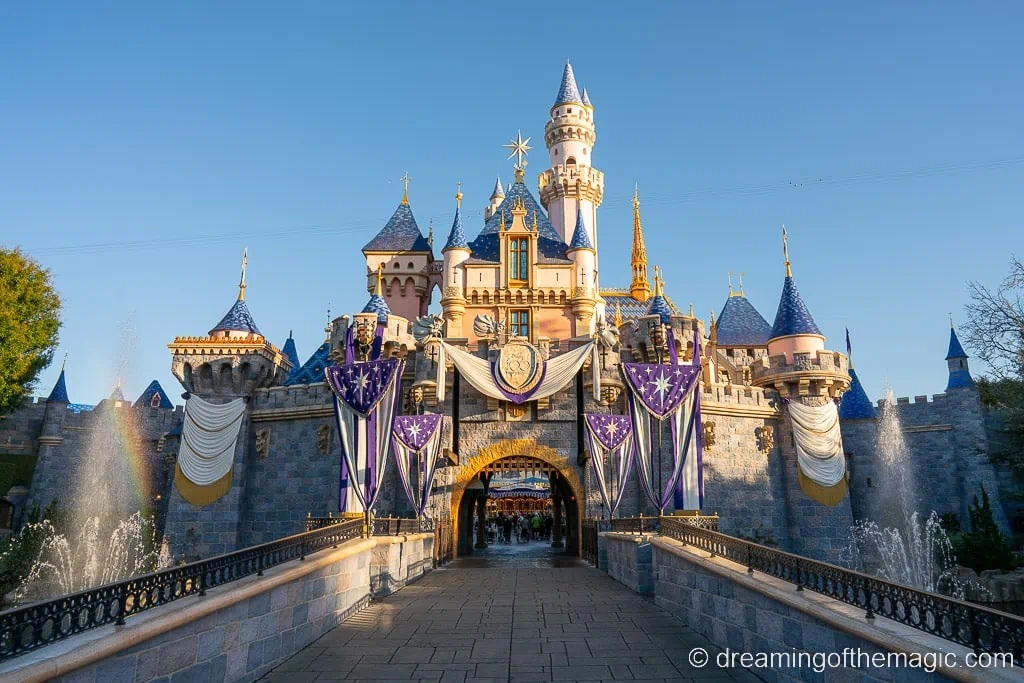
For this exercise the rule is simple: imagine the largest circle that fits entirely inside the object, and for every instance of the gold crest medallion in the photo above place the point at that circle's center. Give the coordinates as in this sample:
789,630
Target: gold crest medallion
519,366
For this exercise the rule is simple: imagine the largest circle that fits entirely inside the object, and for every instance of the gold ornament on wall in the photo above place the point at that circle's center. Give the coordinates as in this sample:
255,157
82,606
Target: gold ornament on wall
709,435
323,439
767,436
263,442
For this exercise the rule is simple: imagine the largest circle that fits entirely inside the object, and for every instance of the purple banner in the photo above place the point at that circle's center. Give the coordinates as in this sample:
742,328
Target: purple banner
415,431
360,386
609,430
660,388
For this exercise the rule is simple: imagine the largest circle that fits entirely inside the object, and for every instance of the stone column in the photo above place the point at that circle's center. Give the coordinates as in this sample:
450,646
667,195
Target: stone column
481,515
556,528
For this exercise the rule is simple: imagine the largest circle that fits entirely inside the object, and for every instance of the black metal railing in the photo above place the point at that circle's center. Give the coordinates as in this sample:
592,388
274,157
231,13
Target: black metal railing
314,523
636,525
396,526
23,629
444,545
979,628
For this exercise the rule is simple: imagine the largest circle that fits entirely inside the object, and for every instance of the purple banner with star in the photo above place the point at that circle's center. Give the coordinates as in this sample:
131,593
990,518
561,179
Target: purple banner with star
417,446
611,455
660,388
365,400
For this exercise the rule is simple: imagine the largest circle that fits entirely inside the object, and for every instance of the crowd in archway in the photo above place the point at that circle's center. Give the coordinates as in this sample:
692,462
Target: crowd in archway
518,527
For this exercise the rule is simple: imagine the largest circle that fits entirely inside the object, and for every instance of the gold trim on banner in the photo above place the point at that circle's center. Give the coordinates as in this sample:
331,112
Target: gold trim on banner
201,496
829,496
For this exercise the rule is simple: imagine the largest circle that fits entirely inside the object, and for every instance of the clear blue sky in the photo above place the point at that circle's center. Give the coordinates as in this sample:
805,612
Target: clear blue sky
286,128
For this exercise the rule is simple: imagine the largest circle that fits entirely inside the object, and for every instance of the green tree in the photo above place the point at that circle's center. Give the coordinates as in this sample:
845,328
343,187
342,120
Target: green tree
984,546
29,322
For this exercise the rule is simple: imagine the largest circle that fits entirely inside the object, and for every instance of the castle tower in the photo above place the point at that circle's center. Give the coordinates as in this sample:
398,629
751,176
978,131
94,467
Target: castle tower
571,185
956,361
638,289
800,369
456,251
59,393
231,362
407,258
859,422
581,253
496,197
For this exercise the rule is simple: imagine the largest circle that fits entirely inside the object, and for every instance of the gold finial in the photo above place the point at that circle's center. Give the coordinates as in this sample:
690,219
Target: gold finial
64,362
458,196
714,329
379,291
658,282
741,284
430,232
405,189
520,148
730,283
691,309
618,315
241,283
501,228
785,251
638,289
535,220
520,174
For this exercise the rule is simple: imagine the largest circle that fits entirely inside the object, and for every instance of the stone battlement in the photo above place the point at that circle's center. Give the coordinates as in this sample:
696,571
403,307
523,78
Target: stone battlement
811,373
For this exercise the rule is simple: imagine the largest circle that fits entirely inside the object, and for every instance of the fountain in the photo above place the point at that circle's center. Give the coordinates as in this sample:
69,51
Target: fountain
106,531
901,547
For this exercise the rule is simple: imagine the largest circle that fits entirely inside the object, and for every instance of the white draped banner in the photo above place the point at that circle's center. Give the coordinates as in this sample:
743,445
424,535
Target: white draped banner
208,437
558,371
819,451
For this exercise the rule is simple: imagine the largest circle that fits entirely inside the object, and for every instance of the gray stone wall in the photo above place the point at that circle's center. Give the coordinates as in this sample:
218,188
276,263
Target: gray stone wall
744,620
862,466
628,559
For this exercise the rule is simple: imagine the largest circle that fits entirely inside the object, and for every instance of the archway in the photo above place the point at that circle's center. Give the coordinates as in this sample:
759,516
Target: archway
514,455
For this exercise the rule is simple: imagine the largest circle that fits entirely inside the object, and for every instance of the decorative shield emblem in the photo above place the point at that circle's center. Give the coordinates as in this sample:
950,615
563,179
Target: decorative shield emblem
519,365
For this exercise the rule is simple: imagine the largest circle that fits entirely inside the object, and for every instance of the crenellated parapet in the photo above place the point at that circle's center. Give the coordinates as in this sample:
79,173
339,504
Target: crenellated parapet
227,366
821,373
573,182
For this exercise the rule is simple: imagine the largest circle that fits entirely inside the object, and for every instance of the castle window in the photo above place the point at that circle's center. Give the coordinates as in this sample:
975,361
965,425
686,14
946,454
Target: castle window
155,401
520,260
520,323
411,266
568,111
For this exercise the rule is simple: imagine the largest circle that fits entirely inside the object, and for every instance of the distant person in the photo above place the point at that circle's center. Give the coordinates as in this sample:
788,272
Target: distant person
535,525
506,527
548,523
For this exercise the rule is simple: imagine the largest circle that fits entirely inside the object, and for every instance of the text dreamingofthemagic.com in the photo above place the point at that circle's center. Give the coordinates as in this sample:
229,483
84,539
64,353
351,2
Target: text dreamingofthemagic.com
852,658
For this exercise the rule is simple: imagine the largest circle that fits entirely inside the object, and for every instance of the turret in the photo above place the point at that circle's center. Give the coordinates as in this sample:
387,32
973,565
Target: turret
496,197
59,393
571,186
956,361
581,253
638,288
234,359
456,251
407,258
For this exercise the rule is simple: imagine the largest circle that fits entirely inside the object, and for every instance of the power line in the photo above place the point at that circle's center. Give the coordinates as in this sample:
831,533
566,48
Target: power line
680,198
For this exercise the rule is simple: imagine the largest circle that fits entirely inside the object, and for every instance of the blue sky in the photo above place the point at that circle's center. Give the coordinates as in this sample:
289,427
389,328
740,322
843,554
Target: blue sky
888,140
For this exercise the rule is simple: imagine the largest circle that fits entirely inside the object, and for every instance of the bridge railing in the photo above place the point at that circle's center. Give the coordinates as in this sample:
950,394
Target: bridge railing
979,628
27,628
396,526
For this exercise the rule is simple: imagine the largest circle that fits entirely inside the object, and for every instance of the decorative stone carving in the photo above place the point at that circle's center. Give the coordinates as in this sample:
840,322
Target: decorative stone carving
767,436
323,438
263,442
710,436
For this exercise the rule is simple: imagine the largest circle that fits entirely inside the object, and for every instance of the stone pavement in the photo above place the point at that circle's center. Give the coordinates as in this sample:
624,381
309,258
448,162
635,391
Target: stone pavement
514,613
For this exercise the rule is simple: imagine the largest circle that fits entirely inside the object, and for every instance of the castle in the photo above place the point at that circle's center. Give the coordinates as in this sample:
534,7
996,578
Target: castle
534,266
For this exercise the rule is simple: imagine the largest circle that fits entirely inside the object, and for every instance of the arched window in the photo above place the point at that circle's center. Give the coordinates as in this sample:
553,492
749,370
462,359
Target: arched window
519,262
411,266
155,401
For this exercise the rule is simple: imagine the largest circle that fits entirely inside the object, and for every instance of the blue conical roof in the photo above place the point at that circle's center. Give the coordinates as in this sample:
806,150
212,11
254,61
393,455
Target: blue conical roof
792,316
377,305
586,98
146,399
580,238
59,393
659,306
456,236
312,370
955,350
290,352
568,92
400,233
855,404
498,190
740,324
238,319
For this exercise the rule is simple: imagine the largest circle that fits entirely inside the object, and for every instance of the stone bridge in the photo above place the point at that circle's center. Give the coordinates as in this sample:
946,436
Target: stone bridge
373,609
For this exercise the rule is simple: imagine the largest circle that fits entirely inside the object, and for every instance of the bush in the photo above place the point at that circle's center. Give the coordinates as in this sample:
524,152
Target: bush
19,552
984,547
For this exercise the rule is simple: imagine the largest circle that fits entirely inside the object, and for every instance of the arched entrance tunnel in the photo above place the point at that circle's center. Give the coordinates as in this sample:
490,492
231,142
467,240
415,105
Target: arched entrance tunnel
563,501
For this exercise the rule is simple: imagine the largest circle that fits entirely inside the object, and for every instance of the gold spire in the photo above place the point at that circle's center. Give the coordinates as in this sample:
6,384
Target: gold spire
379,291
618,315
730,283
535,220
65,361
430,233
714,329
658,282
638,289
405,190
241,283
458,196
785,251
741,284
501,228
691,309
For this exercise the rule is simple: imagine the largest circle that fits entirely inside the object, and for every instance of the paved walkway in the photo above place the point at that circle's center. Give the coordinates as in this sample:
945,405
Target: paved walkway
517,613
